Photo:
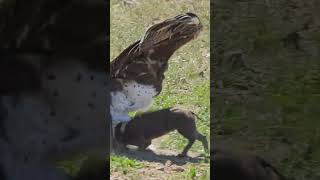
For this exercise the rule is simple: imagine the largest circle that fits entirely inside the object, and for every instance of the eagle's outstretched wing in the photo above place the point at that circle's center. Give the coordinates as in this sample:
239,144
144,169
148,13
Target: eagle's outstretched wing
146,59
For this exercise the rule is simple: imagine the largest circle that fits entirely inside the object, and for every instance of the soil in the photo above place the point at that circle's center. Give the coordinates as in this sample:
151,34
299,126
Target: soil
159,164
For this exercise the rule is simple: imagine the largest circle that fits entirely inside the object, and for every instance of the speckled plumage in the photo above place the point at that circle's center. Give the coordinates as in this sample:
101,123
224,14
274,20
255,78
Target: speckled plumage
142,65
58,112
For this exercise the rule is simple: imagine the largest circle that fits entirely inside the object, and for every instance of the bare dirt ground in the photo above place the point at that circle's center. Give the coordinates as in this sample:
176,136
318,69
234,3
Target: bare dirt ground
161,164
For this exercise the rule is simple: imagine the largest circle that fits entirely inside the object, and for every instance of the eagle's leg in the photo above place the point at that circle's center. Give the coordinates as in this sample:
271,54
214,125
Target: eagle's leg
119,107
121,118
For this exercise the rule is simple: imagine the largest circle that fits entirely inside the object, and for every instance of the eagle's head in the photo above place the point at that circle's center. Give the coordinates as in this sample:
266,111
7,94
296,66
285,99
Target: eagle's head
163,39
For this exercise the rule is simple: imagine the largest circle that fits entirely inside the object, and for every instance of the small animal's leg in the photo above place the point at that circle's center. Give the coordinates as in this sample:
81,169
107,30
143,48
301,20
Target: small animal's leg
146,143
204,141
135,144
141,143
187,148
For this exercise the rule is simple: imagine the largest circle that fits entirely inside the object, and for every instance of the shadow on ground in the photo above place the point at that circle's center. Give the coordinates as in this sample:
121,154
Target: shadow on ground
160,156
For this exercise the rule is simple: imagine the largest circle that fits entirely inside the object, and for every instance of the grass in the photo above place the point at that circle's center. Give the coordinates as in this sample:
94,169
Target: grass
124,163
187,79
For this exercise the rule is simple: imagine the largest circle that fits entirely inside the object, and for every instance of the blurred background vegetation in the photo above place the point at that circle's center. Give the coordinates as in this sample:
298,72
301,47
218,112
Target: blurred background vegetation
266,81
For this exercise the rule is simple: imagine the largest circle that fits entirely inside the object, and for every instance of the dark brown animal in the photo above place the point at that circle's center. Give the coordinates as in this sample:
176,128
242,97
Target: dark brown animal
143,128
229,165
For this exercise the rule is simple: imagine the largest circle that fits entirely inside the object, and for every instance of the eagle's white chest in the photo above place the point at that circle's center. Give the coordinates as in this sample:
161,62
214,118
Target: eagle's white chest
132,97
140,95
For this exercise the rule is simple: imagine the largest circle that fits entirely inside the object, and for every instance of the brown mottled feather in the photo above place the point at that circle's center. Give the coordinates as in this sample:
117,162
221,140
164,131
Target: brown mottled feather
146,60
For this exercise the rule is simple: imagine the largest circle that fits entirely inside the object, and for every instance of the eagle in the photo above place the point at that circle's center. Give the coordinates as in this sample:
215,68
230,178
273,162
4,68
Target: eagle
138,72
